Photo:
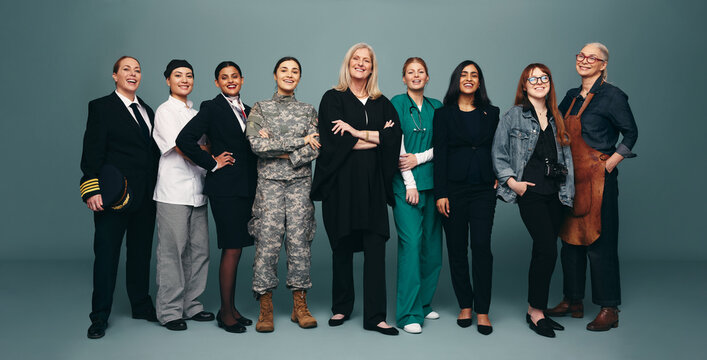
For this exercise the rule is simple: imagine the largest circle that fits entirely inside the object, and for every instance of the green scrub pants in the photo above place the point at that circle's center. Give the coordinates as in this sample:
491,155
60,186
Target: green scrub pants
419,256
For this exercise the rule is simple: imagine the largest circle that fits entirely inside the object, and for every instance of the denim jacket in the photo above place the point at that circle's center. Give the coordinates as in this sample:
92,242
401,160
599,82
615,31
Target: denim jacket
513,145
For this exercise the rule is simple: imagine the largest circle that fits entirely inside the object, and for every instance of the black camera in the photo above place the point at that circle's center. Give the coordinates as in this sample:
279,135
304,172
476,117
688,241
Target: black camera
555,170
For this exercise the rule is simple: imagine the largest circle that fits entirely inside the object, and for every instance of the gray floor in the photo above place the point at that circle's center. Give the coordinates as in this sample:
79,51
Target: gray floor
45,306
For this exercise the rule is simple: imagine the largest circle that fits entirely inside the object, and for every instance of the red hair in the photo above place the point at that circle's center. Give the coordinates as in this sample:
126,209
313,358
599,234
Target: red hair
550,100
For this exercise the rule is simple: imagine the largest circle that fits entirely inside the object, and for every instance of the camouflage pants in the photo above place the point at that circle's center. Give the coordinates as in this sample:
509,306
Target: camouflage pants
282,206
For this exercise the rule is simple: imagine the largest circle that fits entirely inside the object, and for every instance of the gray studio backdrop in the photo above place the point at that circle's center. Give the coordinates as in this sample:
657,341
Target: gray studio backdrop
57,55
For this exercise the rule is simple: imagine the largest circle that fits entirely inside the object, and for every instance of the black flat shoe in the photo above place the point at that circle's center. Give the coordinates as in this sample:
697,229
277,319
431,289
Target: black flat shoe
236,328
149,316
543,328
484,329
465,323
385,331
97,329
203,316
553,324
176,325
337,322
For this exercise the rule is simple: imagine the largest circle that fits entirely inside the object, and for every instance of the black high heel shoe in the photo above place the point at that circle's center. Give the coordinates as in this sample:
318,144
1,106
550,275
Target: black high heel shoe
553,324
244,321
235,328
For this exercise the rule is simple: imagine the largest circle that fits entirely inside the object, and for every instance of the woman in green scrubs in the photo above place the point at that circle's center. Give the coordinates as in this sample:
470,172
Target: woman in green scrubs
416,219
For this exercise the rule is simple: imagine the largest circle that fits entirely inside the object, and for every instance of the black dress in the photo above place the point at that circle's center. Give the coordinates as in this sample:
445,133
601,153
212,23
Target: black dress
231,189
355,185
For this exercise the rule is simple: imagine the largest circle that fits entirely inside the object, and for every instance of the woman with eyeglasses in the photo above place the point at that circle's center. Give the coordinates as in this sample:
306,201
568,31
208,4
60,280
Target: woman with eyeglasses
533,164
595,114
464,188
417,222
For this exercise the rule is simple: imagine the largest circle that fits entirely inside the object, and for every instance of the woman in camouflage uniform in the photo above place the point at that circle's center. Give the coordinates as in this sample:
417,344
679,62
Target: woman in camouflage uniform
282,133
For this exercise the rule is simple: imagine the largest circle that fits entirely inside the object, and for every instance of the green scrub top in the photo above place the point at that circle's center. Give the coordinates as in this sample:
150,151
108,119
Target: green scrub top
416,141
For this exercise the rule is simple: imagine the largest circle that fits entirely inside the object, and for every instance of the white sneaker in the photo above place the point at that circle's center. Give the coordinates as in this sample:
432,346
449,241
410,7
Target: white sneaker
413,328
433,315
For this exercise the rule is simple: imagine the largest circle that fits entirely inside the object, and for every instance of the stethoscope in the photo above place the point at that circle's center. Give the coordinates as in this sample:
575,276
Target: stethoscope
418,126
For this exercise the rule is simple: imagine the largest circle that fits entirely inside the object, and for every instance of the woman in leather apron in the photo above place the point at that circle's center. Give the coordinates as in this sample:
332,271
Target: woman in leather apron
595,114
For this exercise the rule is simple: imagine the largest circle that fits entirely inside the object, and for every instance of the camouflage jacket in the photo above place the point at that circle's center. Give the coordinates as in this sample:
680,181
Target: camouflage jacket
287,121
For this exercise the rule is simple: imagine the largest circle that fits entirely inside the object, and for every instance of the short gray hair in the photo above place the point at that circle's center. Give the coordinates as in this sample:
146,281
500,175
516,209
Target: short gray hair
604,52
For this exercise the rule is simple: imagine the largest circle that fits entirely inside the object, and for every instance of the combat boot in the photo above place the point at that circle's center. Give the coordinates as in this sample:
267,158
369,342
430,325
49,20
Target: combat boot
265,319
300,312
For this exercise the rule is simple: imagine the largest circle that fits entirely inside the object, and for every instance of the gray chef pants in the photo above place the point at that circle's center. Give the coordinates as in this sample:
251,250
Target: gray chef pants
182,260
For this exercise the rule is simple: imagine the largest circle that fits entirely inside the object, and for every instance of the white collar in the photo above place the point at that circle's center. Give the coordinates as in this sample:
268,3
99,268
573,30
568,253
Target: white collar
234,100
127,101
175,101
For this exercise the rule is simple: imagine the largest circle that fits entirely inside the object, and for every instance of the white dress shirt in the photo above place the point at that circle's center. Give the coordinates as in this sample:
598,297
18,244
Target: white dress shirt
179,181
143,112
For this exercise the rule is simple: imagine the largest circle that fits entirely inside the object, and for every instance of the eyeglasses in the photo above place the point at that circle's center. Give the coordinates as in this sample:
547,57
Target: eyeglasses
534,79
590,59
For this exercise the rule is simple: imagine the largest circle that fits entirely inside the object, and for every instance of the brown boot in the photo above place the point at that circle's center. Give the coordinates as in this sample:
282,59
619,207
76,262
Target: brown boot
607,318
300,312
265,321
575,308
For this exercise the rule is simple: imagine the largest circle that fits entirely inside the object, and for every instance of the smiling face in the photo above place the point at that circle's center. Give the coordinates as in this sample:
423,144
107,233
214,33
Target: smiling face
361,64
469,80
287,77
229,81
540,89
587,70
127,78
181,82
415,77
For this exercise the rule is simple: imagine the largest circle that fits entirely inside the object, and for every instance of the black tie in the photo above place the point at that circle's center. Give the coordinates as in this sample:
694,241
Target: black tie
141,121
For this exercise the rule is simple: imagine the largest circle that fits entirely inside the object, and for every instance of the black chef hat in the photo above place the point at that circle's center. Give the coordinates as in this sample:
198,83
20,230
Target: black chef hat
176,64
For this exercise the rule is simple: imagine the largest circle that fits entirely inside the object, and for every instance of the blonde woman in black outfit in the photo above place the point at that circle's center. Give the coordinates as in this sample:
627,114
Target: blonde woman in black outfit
360,137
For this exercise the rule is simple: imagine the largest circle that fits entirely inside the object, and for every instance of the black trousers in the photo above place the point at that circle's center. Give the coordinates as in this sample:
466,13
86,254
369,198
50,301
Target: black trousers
470,221
110,227
342,290
542,216
603,254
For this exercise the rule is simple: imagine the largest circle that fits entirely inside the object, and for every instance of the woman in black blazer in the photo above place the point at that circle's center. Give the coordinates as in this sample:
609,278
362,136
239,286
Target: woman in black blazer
119,136
464,187
230,181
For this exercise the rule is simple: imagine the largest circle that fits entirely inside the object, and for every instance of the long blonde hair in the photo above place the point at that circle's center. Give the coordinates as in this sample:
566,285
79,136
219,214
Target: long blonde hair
345,75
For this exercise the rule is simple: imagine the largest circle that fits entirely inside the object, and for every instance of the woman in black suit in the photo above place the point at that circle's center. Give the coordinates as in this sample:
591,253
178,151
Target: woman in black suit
464,187
119,136
230,182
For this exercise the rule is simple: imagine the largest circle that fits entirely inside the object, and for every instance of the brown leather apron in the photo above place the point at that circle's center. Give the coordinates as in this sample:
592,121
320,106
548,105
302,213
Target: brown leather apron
583,225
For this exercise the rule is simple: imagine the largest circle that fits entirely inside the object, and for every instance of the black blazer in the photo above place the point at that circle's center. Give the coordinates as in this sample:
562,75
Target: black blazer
217,121
114,137
454,148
